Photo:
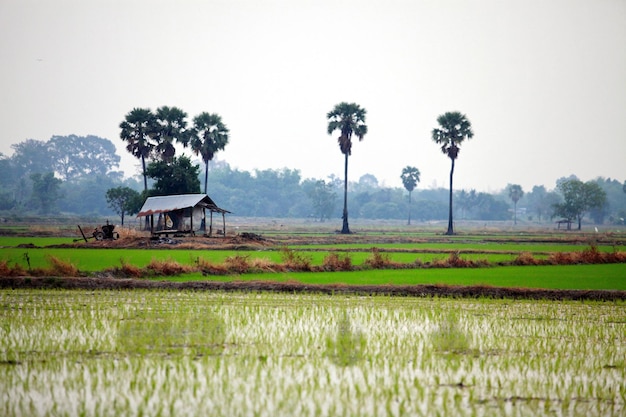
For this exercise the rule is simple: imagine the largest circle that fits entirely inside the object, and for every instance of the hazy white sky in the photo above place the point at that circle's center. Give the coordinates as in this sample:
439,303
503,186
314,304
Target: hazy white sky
543,82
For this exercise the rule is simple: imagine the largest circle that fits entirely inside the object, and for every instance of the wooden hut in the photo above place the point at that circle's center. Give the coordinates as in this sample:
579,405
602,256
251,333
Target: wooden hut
177,212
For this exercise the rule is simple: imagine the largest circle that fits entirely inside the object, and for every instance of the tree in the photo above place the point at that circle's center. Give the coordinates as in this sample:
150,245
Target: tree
323,197
123,200
348,118
490,208
139,129
46,191
466,201
177,177
454,128
515,193
75,156
172,128
579,198
410,177
210,136
32,156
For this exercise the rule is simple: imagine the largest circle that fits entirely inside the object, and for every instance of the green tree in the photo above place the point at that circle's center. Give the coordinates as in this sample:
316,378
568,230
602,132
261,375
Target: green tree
515,193
349,119
177,177
123,200
410,177
323,198
454,128
172,129
210,135
46,191
490,208
139,130
579,198
31,156
76,156
466,201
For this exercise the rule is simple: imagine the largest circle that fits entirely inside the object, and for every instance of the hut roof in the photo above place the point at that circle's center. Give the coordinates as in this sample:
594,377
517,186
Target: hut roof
167,203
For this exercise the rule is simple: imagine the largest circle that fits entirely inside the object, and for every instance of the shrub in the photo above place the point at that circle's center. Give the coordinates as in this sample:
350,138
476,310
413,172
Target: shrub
525,258
238,264
61,268
378,260
11,271
167,267
334,262
264,265
210,268
129,270
295,261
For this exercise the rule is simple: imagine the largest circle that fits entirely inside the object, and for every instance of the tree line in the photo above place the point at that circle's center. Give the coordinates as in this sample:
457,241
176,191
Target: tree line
79,175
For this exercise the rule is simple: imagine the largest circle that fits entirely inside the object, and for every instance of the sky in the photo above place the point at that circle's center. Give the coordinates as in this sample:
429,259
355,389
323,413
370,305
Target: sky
542,82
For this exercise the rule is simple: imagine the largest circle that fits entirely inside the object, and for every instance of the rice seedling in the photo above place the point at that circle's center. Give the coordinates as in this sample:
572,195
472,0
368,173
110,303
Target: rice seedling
167,353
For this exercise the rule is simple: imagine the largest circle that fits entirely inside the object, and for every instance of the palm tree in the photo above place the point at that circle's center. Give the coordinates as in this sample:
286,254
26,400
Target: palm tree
139,129
348,118
210,135
410,177
515,193
172,128
453,129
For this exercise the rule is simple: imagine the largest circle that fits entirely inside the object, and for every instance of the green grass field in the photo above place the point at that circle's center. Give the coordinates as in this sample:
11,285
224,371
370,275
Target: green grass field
35,252
574,277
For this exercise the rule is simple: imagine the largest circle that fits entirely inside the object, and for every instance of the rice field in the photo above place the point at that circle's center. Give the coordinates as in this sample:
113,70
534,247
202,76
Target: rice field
166,353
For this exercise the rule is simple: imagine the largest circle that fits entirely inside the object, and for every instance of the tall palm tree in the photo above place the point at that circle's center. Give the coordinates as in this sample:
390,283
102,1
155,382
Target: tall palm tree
410,177
139,130
210,135
172,128
515,193
453,129
348,118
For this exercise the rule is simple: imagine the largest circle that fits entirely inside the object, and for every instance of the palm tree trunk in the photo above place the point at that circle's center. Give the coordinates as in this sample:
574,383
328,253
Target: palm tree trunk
345,229
145,185
409,208
450,223
206,175
145,179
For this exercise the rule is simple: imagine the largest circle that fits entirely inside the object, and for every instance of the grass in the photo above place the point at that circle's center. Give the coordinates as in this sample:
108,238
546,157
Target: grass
169,353
583,277
351,264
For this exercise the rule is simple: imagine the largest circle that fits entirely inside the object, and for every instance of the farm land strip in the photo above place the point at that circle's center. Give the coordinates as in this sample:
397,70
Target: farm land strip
221,353
557,261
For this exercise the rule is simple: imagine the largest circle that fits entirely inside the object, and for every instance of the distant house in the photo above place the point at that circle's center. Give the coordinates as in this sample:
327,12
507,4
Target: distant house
178,213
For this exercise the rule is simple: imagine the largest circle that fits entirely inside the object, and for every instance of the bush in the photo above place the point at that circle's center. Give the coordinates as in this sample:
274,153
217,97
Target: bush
334,262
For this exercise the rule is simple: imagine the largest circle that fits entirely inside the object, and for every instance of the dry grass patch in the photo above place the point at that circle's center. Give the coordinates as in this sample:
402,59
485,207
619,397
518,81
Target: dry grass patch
379,260
168,267
295,261
335,262
525,258
14,270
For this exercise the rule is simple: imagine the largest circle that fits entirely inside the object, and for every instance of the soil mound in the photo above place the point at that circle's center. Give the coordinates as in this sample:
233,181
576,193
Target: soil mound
93,283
